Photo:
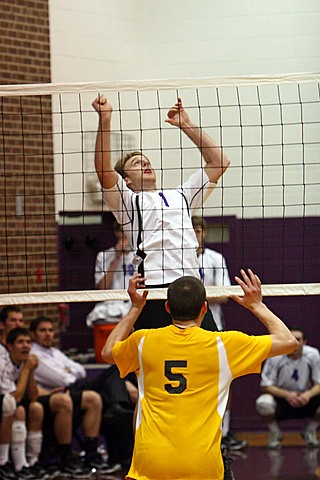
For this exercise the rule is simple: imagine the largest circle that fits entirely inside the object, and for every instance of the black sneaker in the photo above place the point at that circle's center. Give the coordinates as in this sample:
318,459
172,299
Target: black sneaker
39,472
7,472
228,473
230,443
75,468
25,474
97,464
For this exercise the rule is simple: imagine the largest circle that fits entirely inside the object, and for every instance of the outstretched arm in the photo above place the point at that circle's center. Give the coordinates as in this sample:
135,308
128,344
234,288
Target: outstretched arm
283,341
124,328
216,161
107,175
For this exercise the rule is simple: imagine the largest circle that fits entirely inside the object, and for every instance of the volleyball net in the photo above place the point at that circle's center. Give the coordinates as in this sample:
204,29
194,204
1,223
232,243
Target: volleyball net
264,213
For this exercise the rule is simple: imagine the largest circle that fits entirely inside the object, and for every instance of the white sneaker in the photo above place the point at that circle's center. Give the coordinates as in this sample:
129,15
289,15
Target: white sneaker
310,437
275,440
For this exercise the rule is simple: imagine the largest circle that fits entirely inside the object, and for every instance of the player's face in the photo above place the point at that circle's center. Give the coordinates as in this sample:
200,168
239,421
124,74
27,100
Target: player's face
140,174
20,349
298,336
200,234
13,320
44,334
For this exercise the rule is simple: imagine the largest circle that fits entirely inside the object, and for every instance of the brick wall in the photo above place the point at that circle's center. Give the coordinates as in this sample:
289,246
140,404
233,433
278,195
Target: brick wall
28,258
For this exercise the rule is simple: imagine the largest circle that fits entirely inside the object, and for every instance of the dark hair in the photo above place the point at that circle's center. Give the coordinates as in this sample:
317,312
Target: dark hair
198,221
15,333
36,322
298,329
121,164
186,296
4,314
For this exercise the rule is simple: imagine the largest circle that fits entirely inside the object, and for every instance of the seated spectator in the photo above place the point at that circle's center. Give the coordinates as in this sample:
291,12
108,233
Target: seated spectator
10,317
16,379
291,390
59,410
8,407
56,370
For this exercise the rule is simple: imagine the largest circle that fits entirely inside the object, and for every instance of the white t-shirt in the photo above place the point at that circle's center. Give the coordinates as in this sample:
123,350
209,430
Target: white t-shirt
55,369
213,272
111,311
9,373
163,217
123,273
295,375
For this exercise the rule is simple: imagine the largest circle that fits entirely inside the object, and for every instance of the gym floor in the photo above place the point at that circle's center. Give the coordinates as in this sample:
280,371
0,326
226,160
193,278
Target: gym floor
292,462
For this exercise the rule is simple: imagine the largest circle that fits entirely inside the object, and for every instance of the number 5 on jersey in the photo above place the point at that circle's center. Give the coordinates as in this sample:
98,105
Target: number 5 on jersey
180,381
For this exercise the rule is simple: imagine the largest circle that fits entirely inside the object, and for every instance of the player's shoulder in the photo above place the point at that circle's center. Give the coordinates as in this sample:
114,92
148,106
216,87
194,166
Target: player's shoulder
311,353
208,252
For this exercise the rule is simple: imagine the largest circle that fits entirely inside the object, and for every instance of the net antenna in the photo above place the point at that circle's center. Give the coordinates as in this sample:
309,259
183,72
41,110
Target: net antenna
269,127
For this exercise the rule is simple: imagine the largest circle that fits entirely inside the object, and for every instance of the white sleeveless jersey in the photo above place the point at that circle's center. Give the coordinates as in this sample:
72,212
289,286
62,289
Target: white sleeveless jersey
159,228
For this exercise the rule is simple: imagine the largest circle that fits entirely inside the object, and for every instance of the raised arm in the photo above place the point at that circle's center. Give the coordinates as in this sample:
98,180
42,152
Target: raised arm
283,342
124,328
216,161
107,175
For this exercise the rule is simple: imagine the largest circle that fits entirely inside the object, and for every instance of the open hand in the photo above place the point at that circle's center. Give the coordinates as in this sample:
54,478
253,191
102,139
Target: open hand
251,286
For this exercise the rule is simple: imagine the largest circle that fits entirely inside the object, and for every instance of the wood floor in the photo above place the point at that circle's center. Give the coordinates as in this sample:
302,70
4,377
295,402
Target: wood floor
292,462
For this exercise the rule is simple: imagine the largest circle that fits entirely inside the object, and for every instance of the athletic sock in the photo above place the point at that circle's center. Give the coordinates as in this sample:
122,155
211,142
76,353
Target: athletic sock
273,427
18,444
90,446
312,426
4,453
34,444
65,453
226,423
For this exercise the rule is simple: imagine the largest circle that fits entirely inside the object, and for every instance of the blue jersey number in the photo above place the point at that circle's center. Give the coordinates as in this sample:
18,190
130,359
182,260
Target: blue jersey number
164,199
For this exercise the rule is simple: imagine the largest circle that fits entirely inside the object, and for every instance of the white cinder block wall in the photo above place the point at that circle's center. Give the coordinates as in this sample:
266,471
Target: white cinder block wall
118,40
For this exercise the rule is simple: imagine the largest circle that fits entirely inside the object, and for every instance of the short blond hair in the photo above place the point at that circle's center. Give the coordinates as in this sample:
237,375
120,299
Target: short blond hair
121,163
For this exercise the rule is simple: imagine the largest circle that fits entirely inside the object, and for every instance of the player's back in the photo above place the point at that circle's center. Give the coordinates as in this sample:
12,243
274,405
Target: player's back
179,415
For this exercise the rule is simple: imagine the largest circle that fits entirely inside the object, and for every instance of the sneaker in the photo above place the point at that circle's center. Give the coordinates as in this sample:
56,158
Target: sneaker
97,464
228,473
25,474
7,472
230,443
275,440
39,472
75,468
310,437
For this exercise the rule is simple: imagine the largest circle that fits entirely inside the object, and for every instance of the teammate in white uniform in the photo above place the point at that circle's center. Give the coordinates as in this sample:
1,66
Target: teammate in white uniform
291,389
214,272
113,270
157,222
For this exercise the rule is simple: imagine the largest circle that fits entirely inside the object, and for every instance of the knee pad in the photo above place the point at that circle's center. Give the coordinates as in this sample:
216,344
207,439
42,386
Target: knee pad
266,405
19,432
9,405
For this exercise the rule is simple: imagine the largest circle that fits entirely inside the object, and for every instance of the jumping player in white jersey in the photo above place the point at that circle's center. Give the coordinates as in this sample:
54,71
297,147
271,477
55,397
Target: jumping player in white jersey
157,222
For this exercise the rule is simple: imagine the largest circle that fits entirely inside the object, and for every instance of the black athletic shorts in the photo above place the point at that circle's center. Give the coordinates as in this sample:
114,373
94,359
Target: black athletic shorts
284,411
77,415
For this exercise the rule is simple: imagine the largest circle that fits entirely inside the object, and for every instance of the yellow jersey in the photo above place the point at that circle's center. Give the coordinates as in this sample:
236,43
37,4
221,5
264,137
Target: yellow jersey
184,377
